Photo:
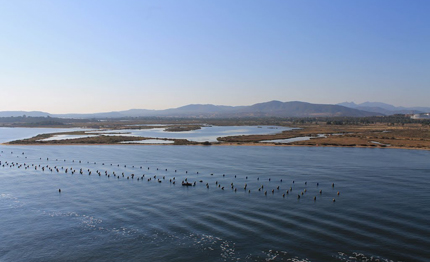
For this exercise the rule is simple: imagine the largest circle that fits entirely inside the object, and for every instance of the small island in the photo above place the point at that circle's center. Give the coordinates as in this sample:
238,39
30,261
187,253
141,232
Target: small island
183,128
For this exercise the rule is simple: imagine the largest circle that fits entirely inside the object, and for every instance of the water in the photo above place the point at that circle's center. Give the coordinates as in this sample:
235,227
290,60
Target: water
293,139
379,143
381,212
65,137
8,134
149,141
206,133
287,140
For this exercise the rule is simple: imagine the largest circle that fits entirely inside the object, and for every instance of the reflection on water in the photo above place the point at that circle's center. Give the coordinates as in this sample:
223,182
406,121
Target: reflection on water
64,137
294,139
287,140
206,133
113,134
8,134
149,141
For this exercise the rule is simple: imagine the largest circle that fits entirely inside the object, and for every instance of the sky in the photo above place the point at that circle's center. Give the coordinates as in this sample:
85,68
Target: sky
110,55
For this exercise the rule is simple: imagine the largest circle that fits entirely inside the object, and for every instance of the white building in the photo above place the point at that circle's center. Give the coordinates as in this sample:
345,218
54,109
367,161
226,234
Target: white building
421,116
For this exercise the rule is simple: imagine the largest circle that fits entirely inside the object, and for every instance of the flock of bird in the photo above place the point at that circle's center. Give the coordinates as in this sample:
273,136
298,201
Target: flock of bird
159,178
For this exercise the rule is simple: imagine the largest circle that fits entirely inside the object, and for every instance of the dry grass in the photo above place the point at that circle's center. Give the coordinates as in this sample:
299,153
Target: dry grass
413,136
408,136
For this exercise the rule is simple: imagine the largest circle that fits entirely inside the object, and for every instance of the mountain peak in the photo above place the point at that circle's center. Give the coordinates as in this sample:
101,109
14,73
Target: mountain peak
348,104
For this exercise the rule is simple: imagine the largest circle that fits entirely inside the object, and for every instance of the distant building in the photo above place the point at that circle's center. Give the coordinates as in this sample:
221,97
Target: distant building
421,116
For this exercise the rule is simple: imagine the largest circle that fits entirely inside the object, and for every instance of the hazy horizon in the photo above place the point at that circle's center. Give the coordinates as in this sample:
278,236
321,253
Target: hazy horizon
98,112
86,57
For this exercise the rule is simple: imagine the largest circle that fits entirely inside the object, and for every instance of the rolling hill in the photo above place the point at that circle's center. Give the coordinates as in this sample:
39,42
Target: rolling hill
266,109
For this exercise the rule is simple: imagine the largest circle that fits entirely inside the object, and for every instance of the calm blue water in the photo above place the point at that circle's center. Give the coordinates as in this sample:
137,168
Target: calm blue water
382,211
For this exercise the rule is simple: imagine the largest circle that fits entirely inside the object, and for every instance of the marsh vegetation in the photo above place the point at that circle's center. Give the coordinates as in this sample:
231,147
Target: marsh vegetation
395,131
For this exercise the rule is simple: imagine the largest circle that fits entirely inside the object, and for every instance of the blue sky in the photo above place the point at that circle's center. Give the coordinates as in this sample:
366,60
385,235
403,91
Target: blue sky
96,56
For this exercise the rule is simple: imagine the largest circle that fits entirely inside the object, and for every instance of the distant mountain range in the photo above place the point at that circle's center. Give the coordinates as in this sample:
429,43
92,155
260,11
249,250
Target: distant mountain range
267,109
21,113
385,109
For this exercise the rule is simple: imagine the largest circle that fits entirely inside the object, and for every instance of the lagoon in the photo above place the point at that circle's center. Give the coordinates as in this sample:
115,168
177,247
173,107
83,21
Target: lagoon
8,134
293,139
149,141
206,133
65,137
381,211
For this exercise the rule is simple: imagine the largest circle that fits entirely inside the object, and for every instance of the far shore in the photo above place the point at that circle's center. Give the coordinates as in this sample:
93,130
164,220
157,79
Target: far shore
405,136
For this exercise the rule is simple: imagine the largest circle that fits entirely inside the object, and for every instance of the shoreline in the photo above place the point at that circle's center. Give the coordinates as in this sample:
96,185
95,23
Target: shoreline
223,144
377,135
